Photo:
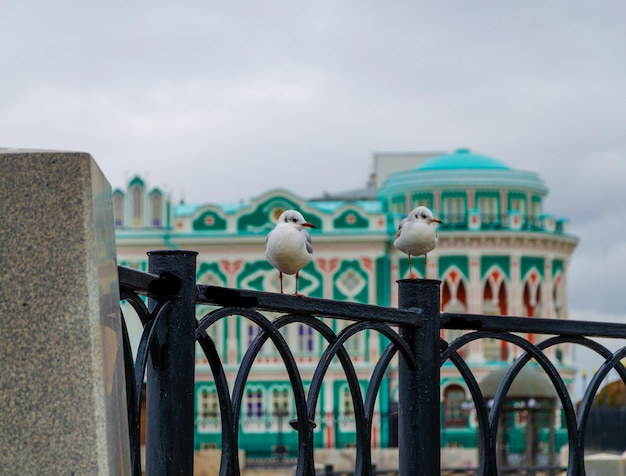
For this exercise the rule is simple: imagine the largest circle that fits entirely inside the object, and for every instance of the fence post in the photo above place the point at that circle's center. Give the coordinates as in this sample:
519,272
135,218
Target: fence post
170,388
418,392
62,386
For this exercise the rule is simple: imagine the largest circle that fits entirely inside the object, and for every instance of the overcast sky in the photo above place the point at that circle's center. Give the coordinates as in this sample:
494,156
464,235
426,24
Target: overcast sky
221,101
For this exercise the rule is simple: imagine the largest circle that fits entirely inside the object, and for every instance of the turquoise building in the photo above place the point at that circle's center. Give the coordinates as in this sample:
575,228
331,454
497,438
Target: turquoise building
499,253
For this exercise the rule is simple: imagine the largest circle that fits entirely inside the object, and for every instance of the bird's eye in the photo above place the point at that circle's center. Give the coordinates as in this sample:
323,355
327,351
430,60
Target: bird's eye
294,219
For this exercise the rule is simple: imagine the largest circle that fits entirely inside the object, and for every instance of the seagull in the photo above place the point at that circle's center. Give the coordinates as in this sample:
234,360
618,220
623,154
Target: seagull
416,235
288,246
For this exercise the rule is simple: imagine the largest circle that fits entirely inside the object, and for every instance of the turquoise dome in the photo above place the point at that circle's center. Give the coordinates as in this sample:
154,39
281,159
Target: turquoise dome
462,159
460,170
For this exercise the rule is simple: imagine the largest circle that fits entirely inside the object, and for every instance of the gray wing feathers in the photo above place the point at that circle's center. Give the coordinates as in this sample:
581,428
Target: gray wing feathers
307,241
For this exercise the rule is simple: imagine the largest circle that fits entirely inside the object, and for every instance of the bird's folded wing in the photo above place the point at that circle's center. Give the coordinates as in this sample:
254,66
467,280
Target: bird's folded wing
307,241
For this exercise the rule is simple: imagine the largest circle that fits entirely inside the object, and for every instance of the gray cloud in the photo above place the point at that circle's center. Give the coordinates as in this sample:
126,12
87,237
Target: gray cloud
223,101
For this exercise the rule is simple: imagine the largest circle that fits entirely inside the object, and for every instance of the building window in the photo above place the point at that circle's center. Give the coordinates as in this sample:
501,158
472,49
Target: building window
423,202
495,303
208,404
518,204
208,411
347,405
453,413
281,402
118,210
354,345
137,205
557,296
156,203
305,339
254,403
251,332
453,210
488,207
532,299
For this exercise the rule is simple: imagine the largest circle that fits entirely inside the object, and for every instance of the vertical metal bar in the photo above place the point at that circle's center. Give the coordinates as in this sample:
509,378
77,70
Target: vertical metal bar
418,389
170,387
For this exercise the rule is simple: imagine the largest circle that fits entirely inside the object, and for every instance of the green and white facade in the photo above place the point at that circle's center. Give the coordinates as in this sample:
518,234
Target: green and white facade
499,253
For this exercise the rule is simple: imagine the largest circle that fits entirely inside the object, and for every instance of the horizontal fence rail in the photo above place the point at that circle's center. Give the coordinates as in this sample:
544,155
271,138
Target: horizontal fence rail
165,301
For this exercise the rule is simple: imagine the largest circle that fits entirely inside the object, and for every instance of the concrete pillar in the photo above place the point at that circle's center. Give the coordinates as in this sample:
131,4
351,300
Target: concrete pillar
62,387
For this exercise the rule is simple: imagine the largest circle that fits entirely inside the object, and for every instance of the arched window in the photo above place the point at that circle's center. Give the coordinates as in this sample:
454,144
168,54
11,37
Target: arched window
254,403
454,300
453,413
156,204
495,302
305,339
209,406
118,209
280,402
558,299
532,295
137,210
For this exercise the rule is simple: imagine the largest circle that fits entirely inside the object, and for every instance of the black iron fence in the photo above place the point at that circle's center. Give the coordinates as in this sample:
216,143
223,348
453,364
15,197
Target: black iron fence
165,361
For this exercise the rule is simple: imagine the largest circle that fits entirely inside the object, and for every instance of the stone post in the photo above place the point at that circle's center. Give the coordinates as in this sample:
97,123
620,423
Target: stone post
62,386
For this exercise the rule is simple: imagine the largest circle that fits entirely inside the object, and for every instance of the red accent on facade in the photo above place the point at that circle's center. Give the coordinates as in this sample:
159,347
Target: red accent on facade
367,263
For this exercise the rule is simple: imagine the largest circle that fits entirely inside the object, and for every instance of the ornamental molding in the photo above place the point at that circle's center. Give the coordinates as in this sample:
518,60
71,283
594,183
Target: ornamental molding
507,241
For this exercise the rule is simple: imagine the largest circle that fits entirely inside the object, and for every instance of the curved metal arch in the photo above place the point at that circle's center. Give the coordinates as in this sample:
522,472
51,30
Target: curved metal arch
336,347
590,392
311,401
134,371
229,447
131,399
531,351
270,331
578,421
230,457
374,385
480,406
574,423
137,304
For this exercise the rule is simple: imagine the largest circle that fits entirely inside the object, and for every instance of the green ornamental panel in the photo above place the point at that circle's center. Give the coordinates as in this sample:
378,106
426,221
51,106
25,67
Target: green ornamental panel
446,262
557,266
502,262
211,274
351,282
528,262
264,217
262,276
209,220
136,181
350,219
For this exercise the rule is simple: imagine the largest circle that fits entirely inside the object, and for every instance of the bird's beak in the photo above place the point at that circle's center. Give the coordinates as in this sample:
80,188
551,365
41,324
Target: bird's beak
436,220
309,225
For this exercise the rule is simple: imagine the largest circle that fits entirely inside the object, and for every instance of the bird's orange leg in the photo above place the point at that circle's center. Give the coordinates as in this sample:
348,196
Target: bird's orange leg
425,265
281,281
296,293
411,274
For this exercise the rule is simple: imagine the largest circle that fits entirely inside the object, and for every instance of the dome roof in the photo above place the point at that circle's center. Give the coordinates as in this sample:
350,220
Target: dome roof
462,159
528,383
460,170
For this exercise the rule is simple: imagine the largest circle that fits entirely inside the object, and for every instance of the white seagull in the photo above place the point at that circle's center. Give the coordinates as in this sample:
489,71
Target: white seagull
288,246
416,235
